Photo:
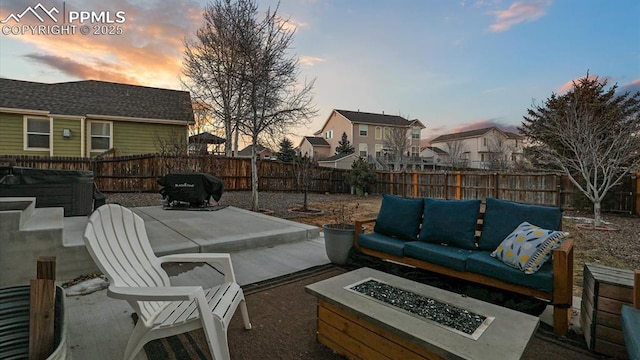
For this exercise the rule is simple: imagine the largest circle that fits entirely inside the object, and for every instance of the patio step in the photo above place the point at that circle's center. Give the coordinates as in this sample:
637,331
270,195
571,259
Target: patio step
16,211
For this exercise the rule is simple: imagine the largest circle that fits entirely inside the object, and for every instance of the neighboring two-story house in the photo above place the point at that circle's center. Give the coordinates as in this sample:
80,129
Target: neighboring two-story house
369,133
487,148
87,118
316,147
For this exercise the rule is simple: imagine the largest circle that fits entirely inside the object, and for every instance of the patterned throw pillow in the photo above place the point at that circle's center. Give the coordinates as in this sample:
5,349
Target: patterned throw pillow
528,247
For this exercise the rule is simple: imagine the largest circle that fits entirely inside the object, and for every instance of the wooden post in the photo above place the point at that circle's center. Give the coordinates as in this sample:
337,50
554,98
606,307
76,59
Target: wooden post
42,309
415,184
496,189
391,183
458,186
636,191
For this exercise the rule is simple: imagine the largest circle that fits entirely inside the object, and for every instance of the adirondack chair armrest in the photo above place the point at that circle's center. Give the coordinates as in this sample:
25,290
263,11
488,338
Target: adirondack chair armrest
220,258
165,293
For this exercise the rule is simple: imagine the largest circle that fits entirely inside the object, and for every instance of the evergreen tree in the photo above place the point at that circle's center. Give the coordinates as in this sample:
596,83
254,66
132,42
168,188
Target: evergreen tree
591,133
286,153
344,146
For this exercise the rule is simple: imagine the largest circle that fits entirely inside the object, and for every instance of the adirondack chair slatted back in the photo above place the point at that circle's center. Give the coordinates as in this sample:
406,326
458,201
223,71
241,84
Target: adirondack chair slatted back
117,241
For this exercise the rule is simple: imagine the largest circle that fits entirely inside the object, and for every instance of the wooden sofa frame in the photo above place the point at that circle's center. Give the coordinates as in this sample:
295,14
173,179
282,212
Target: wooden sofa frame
561,298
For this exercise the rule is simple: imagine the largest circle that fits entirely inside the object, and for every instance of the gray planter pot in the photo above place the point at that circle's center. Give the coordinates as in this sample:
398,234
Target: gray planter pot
338,243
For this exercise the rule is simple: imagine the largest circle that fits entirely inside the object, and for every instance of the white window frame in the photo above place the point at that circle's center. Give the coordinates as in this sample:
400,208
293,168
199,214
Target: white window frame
328,134
415,133
378,149
27,133
386,133
415,151
363,130
90,135
362,147
378,133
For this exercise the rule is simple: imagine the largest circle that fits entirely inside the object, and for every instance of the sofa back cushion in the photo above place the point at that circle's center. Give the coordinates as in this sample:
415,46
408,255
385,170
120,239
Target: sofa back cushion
502,217
450,222
399,217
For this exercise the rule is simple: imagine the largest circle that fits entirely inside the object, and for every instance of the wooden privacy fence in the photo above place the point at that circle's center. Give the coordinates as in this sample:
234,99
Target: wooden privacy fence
139,174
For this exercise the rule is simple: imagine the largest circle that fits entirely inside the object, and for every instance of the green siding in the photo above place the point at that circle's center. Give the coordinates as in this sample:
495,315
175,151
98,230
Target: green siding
140,138
66,147
12,136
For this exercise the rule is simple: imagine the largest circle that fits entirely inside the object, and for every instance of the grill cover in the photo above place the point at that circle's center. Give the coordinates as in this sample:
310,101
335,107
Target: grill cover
194,188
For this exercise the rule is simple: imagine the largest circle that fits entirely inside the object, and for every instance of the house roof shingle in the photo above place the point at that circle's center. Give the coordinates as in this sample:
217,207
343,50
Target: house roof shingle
91,97
473,133
371,118
336,157
247,150
207,138
317,141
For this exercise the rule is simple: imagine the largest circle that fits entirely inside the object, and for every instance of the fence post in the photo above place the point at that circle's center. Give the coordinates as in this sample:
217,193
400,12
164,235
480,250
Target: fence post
446,186
496,188
635,191
558,179
458,186
391,183
415,184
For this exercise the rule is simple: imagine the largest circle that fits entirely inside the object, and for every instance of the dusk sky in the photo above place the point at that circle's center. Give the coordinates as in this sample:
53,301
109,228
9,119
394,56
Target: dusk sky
454,65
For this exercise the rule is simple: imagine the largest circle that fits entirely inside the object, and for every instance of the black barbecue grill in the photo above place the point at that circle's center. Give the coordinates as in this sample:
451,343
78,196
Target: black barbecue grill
193,188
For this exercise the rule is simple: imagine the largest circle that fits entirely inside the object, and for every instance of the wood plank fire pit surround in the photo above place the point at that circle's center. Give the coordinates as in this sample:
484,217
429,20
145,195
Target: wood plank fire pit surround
360,327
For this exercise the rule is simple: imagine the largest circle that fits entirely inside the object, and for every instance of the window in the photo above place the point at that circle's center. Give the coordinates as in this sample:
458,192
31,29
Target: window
378,133
483,157
328,134
363,150
415,133
38,134
387,133
415,151
100,135
484,141
379,149
364,130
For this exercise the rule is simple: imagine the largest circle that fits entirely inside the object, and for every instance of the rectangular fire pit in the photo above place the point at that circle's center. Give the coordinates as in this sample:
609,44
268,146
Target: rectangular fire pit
402,319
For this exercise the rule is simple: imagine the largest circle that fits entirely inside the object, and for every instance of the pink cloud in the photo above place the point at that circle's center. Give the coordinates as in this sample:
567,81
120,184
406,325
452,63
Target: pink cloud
310,60
569,84
148,52
519,12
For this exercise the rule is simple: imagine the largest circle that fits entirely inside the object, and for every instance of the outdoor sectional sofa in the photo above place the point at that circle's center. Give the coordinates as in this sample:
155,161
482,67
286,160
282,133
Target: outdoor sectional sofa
456,238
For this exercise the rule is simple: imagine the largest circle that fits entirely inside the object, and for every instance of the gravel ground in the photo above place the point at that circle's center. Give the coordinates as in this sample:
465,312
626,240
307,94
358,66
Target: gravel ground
619,248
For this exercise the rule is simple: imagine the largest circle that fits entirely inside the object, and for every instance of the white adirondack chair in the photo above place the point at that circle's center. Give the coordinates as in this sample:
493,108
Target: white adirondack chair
117,241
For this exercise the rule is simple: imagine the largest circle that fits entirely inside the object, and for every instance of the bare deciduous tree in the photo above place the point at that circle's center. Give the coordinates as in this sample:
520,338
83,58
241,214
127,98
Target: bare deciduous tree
591,133
213,65
499,152
172,147
396,141
456,151
243,68
275,100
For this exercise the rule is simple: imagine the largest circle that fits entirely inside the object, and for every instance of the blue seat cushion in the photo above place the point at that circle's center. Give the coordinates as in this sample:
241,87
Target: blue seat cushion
450,222
451,257
481,262
630,330
399,217
384,243
502,217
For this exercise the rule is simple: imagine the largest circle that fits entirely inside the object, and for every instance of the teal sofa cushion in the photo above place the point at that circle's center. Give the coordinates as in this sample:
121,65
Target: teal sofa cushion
631,330
450,222
481,262
502,217
399,217
380,242
448,256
